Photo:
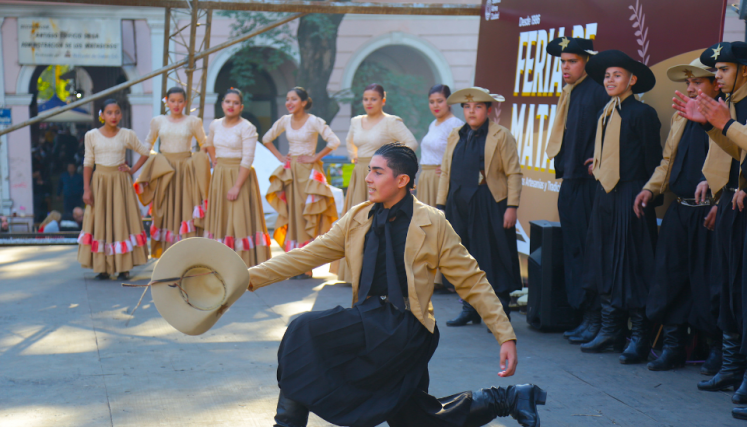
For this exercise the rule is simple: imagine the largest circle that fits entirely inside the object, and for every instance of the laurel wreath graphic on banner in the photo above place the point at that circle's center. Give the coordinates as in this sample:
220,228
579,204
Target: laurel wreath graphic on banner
642,32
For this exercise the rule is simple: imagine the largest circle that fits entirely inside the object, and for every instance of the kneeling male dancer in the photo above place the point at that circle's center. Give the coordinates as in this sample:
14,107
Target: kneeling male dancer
368,364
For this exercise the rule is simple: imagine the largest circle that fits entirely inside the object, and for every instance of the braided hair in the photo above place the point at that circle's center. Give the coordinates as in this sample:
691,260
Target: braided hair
401,159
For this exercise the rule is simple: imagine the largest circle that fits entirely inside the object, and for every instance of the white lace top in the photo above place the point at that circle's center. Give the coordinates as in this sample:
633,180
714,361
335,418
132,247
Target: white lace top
104,151
236,142
434,142
302,142
364,143
175,137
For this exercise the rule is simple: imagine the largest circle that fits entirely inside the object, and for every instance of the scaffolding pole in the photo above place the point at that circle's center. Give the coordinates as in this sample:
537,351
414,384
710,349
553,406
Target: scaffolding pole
152,74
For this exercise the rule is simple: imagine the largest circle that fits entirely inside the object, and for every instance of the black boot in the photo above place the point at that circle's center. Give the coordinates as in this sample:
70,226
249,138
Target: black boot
733,368
673,351
740,396
519,401
739,413
640,340
290,413
594,325
712,364
468,314
610,336
578,329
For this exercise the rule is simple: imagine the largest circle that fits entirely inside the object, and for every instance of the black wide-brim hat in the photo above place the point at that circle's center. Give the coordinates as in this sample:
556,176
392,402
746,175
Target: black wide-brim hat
570,45
599,63
734,52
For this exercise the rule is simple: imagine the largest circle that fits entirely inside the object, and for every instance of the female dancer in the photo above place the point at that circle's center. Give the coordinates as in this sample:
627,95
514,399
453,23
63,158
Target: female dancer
112,238
367,134
178,208
235,216
299,191
434,143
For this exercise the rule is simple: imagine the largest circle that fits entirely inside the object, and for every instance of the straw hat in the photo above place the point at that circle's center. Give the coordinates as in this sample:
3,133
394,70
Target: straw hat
473,94
212,277
696,69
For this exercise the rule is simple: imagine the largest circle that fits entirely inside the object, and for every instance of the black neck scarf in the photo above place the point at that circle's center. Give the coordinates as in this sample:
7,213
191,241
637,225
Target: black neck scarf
381,225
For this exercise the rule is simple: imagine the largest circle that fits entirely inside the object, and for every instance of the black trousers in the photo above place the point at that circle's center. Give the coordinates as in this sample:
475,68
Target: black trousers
575,201
681,291
424,410
727,263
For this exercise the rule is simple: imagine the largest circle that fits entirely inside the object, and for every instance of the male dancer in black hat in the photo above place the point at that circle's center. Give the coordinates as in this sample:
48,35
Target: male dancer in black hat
725,122
571,144
620,246
681,294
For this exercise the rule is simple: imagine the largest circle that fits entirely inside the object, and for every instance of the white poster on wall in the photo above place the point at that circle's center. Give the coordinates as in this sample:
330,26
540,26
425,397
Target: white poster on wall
53,41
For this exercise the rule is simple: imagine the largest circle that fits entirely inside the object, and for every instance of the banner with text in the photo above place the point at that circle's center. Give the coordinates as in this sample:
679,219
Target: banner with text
512,61
53,41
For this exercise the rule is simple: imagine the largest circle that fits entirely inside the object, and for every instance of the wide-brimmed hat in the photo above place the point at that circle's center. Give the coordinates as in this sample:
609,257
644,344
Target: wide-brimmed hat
570,45
693,70
734,52
599,63
473,94
195,282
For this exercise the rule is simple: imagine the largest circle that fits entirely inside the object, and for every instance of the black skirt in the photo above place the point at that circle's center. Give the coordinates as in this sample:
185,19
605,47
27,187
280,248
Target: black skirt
726,267
620,247
681,291
575,202
478,221
355,367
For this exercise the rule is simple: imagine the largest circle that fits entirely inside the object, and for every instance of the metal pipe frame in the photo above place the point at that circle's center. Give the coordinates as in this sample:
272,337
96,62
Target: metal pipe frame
152,74
367,8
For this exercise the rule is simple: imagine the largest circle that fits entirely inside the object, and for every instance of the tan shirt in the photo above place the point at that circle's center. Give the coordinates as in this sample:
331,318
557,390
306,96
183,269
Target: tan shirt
659,181
175,137
235,142
104,151
431,244
364,143
302,142
502,169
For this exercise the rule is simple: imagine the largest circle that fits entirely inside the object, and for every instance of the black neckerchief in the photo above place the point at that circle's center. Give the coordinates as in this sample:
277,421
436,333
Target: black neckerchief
381,227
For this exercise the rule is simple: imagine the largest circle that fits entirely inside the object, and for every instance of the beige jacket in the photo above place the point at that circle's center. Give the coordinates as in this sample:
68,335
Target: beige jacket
659,182
431,244
502,170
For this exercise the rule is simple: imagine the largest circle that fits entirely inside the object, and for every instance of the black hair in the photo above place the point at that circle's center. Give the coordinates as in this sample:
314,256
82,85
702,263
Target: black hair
176,89
301,92
442,89
401,159
377,88
235,92
108,102
487,104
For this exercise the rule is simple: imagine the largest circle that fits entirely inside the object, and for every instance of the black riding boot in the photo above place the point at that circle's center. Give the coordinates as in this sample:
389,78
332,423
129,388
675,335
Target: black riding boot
673,351
740,396
290,413
732,369
468,314
739,413
640,340
578,329
593,319
712,364
519,401
610,336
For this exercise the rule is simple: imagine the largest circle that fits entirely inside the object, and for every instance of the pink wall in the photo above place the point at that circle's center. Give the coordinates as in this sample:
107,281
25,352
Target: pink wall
10,54
19,158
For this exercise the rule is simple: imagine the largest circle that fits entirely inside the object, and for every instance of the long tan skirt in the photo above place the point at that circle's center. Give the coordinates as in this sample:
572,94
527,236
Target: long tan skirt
181,213
112,239
239,224
357,194
427,190
304,202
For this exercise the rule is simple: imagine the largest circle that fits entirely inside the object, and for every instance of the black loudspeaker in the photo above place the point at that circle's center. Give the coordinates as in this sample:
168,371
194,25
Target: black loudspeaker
548,308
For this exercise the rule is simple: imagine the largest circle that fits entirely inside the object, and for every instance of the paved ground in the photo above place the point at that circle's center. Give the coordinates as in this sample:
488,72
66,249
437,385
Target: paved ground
68,359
